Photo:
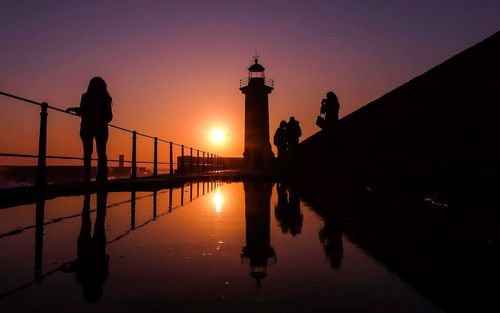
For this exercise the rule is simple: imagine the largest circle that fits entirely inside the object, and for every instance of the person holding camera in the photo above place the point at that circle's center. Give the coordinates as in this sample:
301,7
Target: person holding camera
329,111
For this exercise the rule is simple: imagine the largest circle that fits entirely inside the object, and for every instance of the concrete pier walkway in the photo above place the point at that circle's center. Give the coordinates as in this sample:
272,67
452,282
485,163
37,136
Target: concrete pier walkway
30,194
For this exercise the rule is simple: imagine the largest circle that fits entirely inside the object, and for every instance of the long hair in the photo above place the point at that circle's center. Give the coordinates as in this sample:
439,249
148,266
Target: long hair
331,95
98,89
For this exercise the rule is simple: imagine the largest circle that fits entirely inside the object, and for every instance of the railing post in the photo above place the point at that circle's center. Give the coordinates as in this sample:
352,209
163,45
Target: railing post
155,168
170,194
182,159
39,223
155,201
182,194
191,160
203,162
197,161
132,210
41,178
134,160
171,160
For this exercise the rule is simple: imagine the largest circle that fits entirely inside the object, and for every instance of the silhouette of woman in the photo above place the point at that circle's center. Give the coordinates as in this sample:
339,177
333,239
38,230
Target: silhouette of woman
95,111
330,107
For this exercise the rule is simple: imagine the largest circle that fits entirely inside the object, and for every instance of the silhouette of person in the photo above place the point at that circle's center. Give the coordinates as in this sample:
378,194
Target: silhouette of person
280,141
95,111
287,212
331,238
293,133
91,266
281,207
330,107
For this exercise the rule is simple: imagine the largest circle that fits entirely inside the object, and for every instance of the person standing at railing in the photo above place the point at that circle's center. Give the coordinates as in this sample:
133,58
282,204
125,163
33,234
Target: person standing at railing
95,111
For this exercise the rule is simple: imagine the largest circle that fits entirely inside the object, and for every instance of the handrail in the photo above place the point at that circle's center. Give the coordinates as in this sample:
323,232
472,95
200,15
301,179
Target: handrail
267,81
214,161
111,241
69,113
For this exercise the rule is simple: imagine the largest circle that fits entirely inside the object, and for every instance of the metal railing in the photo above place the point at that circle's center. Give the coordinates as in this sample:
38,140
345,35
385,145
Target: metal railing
40,225
267,81
210,163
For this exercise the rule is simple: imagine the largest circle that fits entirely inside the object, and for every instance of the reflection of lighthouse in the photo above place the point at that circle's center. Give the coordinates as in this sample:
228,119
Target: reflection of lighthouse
258,231
258,153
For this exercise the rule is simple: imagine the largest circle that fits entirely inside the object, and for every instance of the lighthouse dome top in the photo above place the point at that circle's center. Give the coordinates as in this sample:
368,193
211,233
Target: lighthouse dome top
256,67
256,75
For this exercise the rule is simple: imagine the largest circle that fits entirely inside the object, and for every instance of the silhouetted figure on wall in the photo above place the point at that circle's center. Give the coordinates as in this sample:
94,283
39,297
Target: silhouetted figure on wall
329,111
91,266
280,141
293,133
95,111
287,211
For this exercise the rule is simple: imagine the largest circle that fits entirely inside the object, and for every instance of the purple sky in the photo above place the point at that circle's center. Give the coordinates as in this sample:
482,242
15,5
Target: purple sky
173,67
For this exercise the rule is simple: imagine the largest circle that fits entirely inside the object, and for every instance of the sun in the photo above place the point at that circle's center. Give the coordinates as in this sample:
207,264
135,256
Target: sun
218,136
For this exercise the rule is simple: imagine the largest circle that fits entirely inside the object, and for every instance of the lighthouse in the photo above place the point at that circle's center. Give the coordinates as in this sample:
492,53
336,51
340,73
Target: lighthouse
256,88
258,250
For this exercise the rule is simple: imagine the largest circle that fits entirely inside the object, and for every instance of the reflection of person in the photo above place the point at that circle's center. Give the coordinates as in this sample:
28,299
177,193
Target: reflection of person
330,108
280,141
295,215
331,238
95,111
287,210
91,266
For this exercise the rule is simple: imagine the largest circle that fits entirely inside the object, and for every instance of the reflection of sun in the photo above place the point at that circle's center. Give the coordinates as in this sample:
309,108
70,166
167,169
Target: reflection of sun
218,136
218,199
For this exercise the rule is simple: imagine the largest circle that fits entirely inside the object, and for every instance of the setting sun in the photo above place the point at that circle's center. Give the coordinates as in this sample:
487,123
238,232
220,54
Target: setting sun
218,136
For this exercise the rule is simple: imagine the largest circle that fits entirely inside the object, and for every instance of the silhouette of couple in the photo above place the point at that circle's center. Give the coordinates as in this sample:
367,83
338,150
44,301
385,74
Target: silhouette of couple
95,111
286,139
287,209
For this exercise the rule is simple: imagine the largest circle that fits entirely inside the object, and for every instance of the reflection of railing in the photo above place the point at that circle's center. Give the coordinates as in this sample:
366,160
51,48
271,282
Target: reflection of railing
39,276
205,161
267,81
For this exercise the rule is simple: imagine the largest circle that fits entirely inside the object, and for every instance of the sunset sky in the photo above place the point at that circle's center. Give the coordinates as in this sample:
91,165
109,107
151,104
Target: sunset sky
173,67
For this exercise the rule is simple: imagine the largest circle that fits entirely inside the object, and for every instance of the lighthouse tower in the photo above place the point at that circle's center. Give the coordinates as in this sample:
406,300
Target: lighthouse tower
256,88
258,251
